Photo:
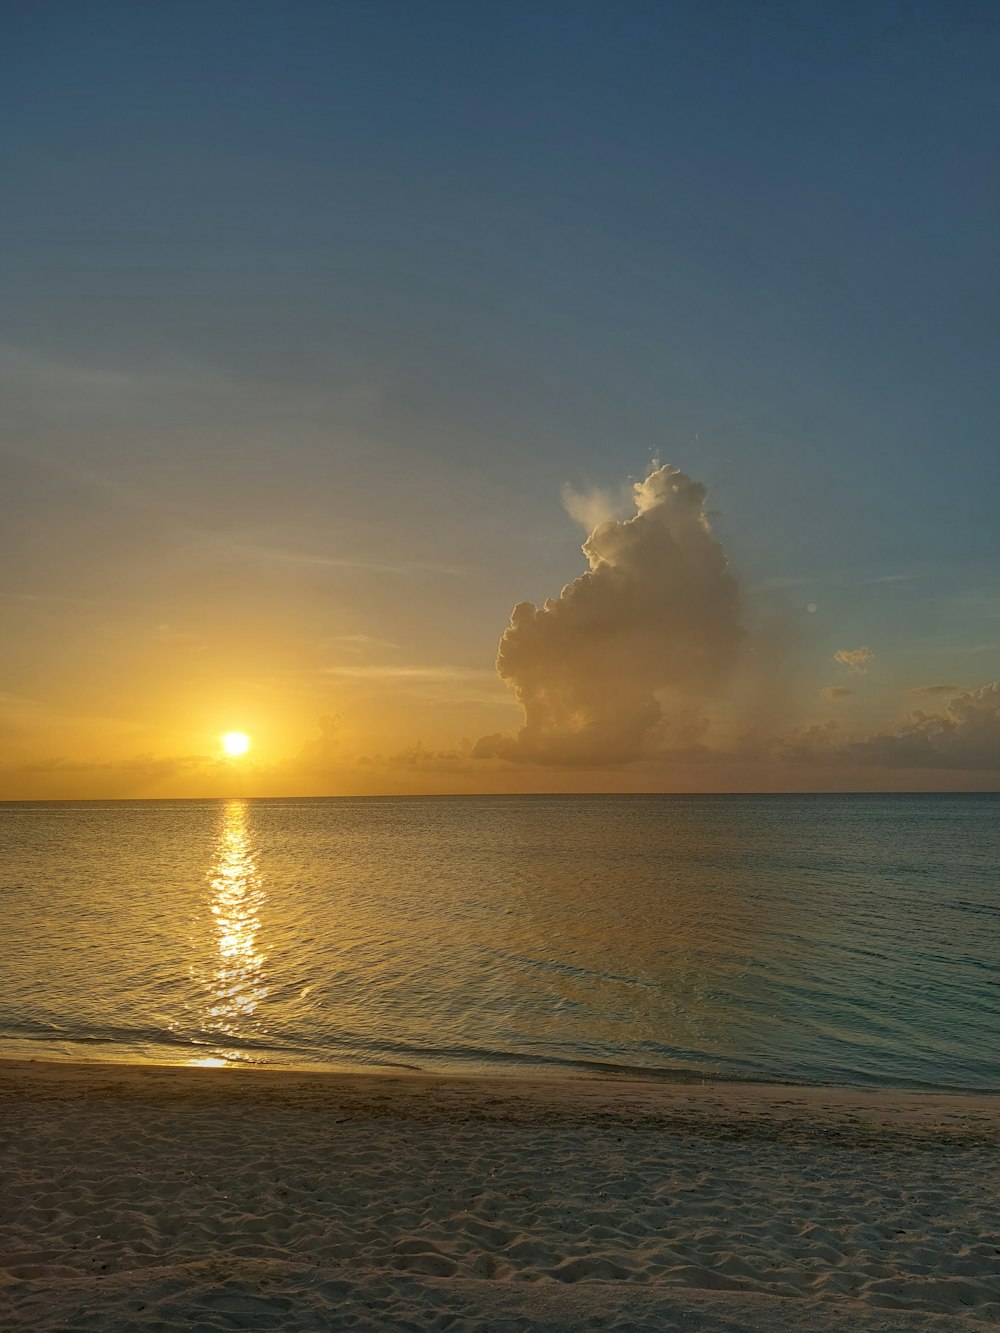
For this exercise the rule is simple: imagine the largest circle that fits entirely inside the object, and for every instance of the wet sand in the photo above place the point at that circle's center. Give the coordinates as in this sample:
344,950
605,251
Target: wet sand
147,1197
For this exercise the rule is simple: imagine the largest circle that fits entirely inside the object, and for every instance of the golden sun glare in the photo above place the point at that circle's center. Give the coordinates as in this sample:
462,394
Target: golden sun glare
235,743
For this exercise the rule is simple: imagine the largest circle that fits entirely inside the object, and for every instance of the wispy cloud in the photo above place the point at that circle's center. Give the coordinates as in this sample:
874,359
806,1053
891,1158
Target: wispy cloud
46,598
953,649
358,643
283,555
435,673
450,686
595,506
143,766
778,582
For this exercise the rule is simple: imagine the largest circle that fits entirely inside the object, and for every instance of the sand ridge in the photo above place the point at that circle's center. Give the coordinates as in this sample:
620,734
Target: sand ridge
239,1199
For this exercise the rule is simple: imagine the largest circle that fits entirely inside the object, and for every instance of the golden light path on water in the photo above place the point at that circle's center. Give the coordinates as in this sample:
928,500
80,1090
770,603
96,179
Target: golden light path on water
237,895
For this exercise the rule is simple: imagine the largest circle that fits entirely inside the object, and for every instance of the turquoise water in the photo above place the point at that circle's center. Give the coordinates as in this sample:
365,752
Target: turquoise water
848,939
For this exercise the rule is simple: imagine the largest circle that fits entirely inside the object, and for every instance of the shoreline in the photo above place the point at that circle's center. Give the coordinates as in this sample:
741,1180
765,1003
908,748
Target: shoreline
515,1096
137,1196
500,1072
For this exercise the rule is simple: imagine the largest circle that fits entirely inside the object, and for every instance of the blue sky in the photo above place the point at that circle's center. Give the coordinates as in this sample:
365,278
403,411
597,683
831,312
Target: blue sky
369,282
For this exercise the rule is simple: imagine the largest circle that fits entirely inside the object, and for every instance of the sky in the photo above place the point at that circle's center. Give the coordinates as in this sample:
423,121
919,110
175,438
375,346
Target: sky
330,333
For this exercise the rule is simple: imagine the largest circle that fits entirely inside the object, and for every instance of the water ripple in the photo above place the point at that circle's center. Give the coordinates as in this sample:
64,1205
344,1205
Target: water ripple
827,939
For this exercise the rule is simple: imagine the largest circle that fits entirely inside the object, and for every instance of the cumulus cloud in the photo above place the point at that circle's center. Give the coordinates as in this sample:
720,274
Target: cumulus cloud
617,667
924,691
855,659
835,692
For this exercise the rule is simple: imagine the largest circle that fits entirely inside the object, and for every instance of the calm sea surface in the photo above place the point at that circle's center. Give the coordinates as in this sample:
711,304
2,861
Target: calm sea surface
828,939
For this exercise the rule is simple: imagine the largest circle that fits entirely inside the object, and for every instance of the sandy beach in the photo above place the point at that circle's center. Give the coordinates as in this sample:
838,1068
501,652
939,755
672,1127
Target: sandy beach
150,1197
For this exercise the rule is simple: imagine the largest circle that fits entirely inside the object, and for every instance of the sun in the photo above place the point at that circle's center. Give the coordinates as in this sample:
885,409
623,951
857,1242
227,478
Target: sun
235,743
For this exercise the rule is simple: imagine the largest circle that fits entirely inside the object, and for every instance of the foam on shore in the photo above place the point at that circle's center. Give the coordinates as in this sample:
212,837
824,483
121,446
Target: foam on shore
154,1197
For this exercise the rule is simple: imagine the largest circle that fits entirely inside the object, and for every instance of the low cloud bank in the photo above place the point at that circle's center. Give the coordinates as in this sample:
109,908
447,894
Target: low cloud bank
965,735
619,665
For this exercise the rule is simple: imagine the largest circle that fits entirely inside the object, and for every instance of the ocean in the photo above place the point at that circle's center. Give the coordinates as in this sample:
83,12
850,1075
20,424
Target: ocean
809,939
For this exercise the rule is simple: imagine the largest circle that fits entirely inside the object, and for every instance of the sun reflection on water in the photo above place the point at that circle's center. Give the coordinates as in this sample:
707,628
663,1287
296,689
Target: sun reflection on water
237,897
